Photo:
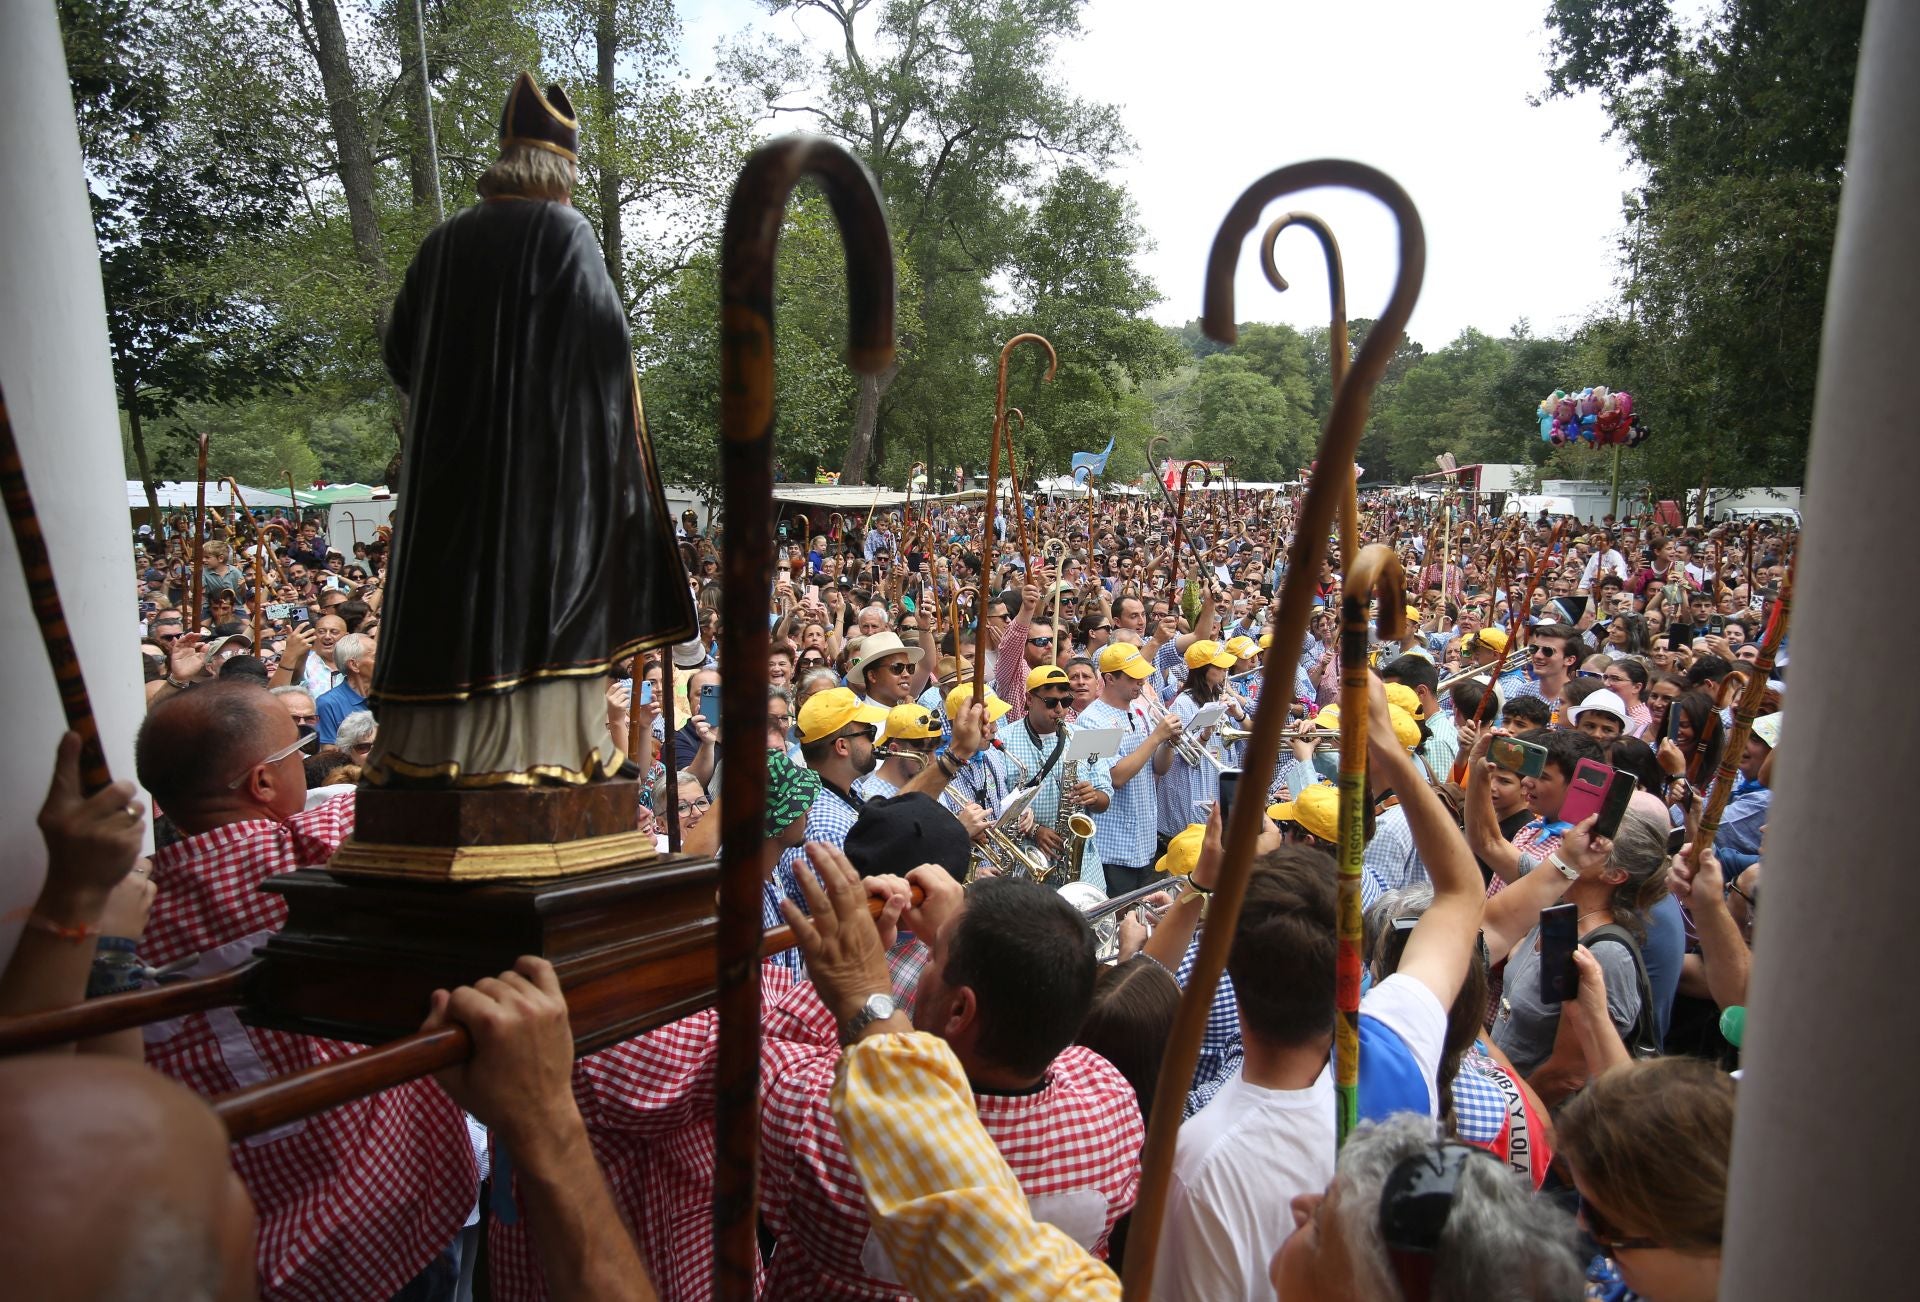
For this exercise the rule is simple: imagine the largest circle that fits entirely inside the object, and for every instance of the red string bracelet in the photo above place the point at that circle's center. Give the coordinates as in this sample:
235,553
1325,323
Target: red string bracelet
40,922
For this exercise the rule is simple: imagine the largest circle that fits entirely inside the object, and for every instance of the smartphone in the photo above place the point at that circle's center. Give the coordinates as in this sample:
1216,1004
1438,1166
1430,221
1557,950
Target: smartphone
279,609
710,704
1679,637
646,691
1676,839
1718,623
1229,783
783,531
1526,758
1586,792
1559,937
1619,795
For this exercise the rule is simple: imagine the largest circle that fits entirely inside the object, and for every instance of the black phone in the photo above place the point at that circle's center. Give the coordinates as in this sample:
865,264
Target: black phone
1718,623
1679,636
1613,805
1559,937
1229,783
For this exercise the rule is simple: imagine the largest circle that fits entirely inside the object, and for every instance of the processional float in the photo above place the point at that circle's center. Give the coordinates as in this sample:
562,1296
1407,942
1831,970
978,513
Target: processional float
641,943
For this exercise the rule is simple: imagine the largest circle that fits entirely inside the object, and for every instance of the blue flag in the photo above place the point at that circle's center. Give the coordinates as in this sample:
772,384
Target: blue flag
1094,463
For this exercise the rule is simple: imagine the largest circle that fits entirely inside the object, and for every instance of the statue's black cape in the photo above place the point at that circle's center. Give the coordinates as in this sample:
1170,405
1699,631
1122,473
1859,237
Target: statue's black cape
532,539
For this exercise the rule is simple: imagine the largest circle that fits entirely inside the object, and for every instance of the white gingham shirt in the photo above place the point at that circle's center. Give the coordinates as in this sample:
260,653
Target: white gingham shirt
1184,785
1124,834
1046,805
1391,860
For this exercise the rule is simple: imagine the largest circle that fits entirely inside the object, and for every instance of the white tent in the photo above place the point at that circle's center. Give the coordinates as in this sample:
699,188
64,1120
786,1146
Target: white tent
182,494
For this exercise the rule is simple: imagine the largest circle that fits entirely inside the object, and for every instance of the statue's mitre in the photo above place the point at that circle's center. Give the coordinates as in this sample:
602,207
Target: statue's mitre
545,121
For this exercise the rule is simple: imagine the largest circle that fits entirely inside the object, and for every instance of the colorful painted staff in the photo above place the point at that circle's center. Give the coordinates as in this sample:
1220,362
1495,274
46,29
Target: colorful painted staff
1375,572
1750,702
1336,342
1316,518
47,610
747,250
993,484
199,541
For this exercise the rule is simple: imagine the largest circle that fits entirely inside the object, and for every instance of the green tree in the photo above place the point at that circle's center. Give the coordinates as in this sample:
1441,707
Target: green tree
1740,125
1444,403
1239,415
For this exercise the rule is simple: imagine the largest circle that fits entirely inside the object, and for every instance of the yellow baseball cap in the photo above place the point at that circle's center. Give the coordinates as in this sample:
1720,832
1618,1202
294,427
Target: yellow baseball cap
960,697
1046,675
826,713
1266,640
1183,851
1205,652
1406,698
1317,809
1242,646
1124,658
1496,638
1404,726
912,721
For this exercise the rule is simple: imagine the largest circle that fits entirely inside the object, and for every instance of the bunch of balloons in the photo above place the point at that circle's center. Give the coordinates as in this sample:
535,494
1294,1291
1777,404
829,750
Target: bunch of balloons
1601,416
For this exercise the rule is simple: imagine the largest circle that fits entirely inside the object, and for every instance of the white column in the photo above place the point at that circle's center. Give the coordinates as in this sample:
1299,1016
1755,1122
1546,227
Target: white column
1822,1186
54,364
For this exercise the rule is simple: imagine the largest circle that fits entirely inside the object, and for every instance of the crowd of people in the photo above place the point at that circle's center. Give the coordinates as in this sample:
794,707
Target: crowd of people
954,1091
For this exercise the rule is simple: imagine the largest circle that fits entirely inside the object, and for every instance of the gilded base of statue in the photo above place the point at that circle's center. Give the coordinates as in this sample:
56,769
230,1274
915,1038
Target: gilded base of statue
502,835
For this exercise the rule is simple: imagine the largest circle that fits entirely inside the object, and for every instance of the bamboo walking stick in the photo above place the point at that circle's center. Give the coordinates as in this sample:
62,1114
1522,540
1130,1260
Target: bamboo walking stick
1750,701
747,252
47,610
199,540
1375,572
1316,518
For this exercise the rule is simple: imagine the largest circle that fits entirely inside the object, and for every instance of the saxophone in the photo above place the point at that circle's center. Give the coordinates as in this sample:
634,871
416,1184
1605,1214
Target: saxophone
1074,828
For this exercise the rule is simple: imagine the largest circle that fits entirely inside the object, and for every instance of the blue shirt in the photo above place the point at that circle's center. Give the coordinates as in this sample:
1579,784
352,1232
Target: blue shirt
1125,833
334,706
1032,755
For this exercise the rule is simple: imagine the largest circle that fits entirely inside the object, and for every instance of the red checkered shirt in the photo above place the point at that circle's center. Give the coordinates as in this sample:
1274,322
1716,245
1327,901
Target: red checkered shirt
353,1202
1074,1145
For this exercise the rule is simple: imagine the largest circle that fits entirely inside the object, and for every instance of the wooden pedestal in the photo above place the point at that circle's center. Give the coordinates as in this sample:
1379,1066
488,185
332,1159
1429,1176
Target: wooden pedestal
496,834
359,957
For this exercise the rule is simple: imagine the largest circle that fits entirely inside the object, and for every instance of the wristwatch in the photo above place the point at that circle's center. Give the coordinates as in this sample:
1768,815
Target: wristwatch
877,1008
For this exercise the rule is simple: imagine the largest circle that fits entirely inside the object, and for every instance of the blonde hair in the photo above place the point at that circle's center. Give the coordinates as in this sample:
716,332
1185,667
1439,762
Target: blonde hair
1652,1141
528,172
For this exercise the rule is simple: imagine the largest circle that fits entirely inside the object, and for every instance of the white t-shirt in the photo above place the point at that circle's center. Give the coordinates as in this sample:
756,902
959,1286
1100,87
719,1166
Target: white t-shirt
1243,1158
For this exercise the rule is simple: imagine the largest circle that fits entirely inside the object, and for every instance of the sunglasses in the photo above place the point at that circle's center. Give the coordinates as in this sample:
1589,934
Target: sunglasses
866,730
1606,1234
1545,651
298,744
899,667
1039,641
1056,702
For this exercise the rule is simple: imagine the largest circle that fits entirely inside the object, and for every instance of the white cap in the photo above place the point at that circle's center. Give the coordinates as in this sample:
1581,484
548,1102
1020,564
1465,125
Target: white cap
1605,701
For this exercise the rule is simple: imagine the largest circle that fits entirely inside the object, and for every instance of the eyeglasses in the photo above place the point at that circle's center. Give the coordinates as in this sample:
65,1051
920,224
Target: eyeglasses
812,662
900,667
274,758
699,805
1587,673
360,748
866,730
1606,1235
1056,702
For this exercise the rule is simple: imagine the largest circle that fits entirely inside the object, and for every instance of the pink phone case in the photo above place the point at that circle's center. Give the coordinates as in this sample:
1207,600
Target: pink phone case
1586,792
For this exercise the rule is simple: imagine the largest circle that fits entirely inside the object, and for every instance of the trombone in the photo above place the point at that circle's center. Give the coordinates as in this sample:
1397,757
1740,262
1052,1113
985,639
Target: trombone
1104,914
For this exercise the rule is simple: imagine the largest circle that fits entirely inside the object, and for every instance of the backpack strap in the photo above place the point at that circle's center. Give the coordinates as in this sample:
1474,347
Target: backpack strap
1641,1038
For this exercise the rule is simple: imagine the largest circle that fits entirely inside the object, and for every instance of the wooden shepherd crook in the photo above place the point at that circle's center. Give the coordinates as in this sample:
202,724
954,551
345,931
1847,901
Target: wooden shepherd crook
1750,699
1375,572
1336,343
198,562
45,596
993,485
747,249
1316,517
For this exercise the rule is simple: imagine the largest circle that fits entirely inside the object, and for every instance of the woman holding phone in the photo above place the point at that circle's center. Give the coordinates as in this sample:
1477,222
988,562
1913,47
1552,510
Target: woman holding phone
1615,890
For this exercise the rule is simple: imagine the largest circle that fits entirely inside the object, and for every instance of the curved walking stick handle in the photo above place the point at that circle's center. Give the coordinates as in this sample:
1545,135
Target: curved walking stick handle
1316,517
748,247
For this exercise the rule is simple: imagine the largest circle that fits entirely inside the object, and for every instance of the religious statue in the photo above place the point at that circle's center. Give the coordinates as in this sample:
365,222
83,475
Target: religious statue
534,546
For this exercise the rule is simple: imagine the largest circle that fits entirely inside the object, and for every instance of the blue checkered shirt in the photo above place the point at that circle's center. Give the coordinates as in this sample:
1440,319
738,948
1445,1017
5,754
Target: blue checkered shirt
1183,785
830,819
1479,1107
1169,670
1220,1050
1391,860
1046,805
1125,833
1441,749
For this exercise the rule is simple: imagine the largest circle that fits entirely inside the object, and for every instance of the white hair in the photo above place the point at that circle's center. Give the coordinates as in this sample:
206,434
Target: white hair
353,646
1500,1240
356,728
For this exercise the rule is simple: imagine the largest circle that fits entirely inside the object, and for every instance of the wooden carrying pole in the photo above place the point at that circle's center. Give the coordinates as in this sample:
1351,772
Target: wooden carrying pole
47,610
1317,511
1375,572
747,248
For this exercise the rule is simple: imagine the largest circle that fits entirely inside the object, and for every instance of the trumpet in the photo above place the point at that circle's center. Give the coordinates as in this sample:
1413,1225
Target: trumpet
1515,660
1104,914
1190,749
1008,857
1232,736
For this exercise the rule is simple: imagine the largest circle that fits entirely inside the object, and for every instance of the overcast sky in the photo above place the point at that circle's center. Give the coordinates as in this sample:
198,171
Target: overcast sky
1521,204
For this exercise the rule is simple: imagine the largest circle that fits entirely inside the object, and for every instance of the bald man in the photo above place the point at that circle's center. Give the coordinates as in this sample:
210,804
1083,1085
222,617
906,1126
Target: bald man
224,762
132,1193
